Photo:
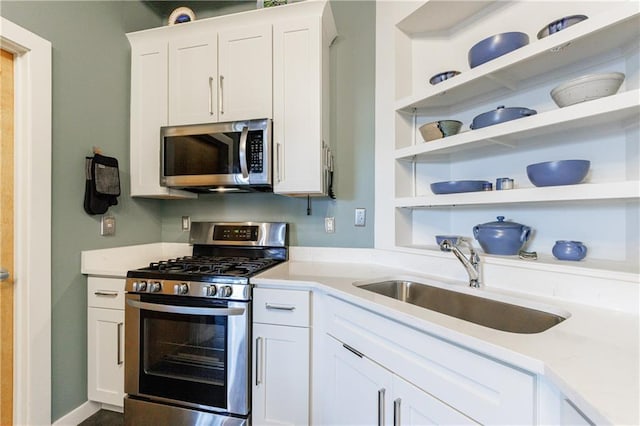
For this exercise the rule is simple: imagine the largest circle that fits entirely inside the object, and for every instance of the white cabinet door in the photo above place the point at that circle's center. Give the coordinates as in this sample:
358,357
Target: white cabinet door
193,86
245,73
358,388
281,375
298,101
105,358
149,79
413,407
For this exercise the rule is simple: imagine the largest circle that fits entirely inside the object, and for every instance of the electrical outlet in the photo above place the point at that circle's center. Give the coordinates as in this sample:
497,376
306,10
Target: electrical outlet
107,225
186,223
329,225
360,217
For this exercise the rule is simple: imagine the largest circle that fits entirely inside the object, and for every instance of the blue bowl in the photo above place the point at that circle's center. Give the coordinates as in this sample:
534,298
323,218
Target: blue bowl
496,46
553,173
456,186
439,78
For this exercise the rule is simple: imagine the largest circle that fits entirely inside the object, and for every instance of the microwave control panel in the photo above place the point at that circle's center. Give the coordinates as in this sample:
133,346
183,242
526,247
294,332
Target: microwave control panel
255,151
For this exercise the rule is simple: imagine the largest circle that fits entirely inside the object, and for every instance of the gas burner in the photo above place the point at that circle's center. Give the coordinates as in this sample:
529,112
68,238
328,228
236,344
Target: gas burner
211,265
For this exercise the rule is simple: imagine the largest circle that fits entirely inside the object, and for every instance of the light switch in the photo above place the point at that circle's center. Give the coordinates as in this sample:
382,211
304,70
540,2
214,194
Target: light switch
360,217
107,225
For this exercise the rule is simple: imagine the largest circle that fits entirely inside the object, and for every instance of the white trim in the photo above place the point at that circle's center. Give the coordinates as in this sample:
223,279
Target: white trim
32,201
80,414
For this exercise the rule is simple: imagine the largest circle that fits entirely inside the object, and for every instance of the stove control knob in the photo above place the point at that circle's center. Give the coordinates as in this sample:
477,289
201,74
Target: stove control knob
182,288
155,287
225,291
139,286
211,290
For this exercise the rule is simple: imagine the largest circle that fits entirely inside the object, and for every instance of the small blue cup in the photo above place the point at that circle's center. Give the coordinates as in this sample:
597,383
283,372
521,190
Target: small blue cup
569,250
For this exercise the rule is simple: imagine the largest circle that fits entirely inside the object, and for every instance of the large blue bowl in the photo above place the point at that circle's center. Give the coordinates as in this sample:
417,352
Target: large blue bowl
456,186
496,46
553,173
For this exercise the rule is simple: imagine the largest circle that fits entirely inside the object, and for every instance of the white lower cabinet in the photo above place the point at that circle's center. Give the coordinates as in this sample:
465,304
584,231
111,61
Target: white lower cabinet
105,340
281,357
450,383
362,392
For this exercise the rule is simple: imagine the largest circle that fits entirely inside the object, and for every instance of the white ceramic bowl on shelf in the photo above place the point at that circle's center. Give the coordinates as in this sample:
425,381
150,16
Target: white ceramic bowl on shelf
587,88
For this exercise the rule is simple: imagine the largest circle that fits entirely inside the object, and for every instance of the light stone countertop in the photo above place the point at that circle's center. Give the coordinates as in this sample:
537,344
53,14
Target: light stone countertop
592,357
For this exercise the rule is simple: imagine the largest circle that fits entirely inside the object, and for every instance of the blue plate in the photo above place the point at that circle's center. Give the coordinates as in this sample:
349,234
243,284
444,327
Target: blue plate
455,186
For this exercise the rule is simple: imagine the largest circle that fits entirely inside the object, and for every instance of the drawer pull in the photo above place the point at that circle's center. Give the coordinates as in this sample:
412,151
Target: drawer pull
275,307
106,293
353,351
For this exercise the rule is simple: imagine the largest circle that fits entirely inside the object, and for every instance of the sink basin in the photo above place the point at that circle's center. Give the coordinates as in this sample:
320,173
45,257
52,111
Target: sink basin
479,310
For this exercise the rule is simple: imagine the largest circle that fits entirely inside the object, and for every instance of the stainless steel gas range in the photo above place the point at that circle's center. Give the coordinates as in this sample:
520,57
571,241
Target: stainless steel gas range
188,327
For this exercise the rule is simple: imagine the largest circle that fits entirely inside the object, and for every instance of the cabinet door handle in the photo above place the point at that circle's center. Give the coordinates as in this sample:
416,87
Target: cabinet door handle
4,274
210,95
275,307
278,163
106,293
381,406
258,361
222,94
396,412
119,359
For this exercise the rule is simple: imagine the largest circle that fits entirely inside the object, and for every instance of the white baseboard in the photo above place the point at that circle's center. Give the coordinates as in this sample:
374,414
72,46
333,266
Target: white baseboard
78,415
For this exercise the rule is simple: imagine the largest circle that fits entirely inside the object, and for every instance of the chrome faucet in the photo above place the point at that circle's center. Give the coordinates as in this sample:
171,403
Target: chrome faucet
472,264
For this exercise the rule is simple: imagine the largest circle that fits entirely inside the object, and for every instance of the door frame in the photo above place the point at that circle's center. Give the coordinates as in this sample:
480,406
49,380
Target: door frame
32,221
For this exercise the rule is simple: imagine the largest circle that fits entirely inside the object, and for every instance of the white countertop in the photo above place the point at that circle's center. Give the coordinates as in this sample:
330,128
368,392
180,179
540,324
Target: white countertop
592,357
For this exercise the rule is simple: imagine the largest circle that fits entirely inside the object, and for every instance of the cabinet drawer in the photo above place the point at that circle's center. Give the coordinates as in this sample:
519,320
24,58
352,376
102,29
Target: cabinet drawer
282,307
484,389
105,292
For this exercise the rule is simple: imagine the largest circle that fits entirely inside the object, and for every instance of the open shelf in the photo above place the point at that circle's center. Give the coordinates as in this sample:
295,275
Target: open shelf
629,190
620,110
598,35
589,267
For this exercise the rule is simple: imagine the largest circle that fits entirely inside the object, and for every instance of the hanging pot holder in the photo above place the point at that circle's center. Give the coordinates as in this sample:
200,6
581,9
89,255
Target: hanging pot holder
102,186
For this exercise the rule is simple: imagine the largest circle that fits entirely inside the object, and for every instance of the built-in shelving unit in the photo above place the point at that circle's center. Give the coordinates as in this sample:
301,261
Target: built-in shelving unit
605,131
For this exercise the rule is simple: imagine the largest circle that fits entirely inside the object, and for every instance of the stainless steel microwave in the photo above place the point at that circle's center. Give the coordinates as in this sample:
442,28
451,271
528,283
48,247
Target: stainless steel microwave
217,157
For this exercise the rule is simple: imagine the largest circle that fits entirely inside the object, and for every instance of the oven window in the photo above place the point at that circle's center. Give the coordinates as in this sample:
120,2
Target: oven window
184,357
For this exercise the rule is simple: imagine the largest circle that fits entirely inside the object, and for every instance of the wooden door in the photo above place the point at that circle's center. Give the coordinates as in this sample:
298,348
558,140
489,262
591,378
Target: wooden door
6,237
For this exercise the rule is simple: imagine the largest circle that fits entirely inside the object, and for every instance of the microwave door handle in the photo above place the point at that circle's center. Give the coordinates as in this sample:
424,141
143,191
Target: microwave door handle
185,310
244,167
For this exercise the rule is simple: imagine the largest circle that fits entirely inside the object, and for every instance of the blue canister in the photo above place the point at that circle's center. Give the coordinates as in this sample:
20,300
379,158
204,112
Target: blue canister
569,250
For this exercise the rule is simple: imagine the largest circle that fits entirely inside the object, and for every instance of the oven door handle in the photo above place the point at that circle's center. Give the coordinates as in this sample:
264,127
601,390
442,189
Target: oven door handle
185,310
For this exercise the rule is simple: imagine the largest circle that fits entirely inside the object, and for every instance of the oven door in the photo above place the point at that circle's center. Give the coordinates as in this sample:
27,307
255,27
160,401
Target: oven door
188,351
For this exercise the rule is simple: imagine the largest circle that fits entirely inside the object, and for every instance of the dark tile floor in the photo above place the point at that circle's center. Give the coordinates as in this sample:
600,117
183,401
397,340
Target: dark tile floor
104,418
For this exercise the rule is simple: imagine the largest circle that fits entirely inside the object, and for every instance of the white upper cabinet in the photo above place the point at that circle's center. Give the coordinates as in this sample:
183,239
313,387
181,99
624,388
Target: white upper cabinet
193,76
301,104
227,69
149,77
245,73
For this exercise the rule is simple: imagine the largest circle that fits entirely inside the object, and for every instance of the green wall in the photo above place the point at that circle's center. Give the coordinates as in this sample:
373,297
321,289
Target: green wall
352,138
91,108
91,63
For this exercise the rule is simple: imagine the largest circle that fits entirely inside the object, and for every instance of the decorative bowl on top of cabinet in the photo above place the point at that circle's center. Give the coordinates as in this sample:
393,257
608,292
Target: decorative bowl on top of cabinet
604,131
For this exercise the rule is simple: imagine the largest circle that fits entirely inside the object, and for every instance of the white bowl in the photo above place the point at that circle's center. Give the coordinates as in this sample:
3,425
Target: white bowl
586,88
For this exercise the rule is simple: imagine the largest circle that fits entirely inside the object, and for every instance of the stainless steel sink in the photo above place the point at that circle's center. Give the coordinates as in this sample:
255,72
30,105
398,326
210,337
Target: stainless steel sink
479,310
